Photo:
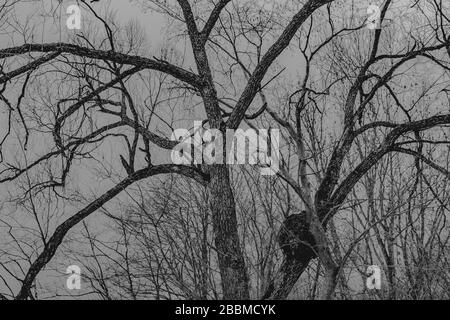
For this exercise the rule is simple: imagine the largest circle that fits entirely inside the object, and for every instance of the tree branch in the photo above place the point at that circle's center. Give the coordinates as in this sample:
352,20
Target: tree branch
60,232
137,61
275,50
212,20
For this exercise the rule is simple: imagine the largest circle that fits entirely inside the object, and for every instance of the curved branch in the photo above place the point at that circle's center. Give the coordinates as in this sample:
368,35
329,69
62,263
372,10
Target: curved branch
423,158
137,61
58,236
30,66
387,146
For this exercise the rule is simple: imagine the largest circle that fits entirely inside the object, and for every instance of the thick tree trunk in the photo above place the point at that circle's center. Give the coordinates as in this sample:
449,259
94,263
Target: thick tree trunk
231,259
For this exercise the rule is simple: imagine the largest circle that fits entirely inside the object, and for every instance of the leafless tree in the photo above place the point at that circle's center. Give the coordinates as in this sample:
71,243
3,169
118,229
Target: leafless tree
365,102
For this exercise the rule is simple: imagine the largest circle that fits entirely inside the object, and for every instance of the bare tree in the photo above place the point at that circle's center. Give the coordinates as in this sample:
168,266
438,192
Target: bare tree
113,106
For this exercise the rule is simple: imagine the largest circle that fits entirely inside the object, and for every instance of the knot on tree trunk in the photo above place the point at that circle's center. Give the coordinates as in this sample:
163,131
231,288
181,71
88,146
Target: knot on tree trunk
295,239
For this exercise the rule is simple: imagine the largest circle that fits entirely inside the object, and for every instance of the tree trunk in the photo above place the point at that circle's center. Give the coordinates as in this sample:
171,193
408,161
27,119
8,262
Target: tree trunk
285,279
231,259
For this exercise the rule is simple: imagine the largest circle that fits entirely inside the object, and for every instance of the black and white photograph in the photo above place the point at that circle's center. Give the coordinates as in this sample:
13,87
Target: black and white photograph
241,152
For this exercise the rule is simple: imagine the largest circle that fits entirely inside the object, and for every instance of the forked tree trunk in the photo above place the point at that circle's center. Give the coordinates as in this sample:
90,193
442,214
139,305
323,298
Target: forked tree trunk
295,264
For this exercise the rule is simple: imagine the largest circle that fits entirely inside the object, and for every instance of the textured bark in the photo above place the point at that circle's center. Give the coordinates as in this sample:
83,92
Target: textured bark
231,259
28,67
232,267
137,61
